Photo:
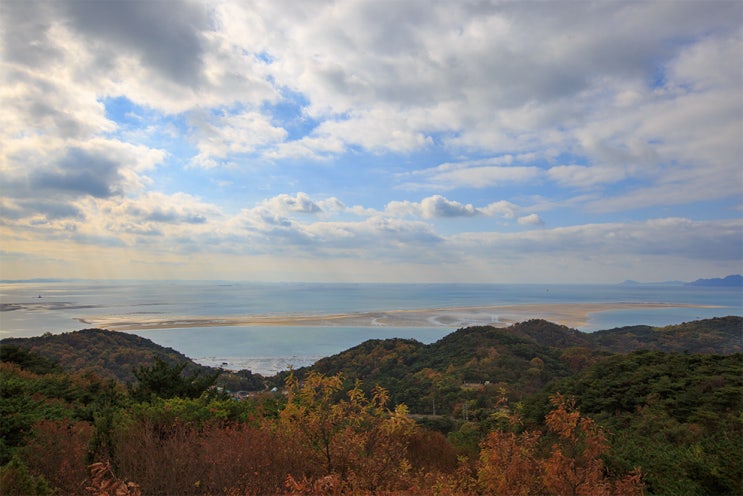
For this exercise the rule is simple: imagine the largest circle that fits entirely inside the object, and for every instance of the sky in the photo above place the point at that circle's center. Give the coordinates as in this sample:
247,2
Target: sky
371,140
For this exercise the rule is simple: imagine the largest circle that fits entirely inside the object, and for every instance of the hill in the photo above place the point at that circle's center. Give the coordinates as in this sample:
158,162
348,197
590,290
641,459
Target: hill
115,355
720,335
480,393
660,405
107,353
520,359
524,357
431,377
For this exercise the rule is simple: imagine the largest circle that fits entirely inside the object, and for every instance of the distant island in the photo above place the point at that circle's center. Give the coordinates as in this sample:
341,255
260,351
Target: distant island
731,281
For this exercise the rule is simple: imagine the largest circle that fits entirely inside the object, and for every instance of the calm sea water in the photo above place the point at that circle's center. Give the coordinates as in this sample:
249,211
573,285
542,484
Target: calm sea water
269,349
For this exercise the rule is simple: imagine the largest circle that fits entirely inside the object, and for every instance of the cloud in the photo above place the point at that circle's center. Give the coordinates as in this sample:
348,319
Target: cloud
502,208
47,181
531,220
233,134
468,175
673,237
585,177
173,48
439,207
432,207
499,114
271,228
35,102
300,203
287,204
158,208
79,172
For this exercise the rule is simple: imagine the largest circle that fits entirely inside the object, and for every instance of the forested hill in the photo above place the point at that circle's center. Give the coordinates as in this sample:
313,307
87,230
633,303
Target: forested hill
722,336
475,354
522,358
472,348
108,353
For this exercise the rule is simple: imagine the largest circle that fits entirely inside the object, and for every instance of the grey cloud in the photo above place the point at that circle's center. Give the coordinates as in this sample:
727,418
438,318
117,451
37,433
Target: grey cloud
53,210
24,32
49,208
284,203
438,206
164,35
302,204
165,215
173,217
78,173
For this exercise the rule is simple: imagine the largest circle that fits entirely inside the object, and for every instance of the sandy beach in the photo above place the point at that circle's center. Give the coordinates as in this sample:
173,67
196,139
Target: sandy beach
570,314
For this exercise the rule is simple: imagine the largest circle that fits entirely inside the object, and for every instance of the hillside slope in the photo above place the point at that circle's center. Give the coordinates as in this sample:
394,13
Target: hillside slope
108,353
677,415
520,359
526,355
721,336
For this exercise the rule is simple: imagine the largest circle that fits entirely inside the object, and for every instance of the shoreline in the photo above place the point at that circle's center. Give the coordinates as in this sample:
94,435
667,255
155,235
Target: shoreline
572,315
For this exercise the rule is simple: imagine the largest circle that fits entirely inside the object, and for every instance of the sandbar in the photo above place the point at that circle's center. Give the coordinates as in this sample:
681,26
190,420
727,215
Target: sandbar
573,315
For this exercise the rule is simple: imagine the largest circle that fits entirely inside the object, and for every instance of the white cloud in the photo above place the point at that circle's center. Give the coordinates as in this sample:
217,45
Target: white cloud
437,207
531,220
451,176
676,237
301,203
233,134
502,208
635,105
430,208
582,176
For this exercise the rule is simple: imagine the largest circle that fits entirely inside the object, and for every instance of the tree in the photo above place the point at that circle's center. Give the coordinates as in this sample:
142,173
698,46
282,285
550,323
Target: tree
354,439
573,464
166,381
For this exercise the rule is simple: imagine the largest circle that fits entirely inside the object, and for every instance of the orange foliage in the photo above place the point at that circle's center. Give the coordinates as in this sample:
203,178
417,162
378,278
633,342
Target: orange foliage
513,464
327,442
57,450
355,439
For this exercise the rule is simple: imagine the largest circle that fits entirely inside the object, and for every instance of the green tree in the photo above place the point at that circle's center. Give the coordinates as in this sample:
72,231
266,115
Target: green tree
27,360
169,381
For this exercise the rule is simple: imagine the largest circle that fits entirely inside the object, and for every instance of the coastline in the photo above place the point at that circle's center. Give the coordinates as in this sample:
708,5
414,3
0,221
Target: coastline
573,315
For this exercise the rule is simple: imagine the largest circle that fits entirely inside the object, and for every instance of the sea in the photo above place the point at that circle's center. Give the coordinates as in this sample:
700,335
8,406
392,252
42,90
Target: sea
38,307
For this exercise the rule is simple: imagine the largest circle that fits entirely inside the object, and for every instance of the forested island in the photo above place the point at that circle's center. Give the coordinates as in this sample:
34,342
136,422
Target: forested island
533,408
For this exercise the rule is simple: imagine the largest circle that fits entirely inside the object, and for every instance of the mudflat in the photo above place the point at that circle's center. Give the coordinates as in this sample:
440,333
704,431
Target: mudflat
569,314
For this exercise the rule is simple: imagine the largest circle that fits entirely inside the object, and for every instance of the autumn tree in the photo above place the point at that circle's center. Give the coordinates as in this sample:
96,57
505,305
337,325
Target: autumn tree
567,460
352,437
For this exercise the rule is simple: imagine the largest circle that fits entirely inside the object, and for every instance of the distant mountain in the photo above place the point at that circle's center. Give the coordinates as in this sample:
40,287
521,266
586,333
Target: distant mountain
730,281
